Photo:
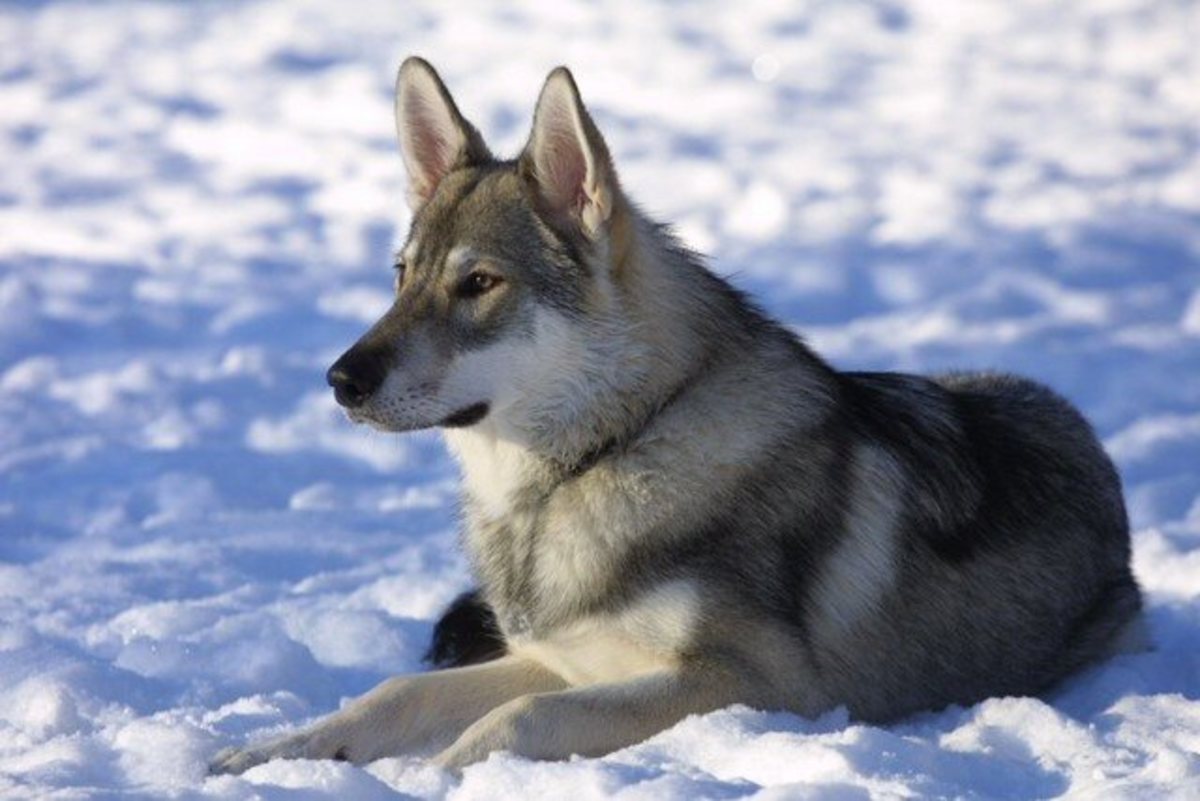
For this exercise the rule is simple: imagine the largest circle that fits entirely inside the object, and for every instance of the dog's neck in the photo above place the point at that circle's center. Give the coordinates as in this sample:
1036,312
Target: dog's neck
628,362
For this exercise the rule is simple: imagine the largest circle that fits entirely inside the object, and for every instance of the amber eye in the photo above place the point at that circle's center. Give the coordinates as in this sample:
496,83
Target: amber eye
477,283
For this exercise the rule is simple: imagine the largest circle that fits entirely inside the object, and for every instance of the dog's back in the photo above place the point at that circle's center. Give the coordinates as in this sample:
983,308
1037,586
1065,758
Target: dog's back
1014,555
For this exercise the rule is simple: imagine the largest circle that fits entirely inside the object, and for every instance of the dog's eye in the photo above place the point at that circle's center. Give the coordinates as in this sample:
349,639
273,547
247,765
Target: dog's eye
399,269
477,283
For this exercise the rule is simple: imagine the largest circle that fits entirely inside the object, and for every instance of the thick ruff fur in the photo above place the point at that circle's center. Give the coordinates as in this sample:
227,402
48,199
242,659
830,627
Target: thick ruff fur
673,505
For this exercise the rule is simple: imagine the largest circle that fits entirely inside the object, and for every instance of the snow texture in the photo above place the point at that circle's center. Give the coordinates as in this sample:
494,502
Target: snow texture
197,205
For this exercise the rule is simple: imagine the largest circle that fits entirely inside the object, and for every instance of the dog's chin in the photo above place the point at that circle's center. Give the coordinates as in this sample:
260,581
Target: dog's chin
461,418
388,426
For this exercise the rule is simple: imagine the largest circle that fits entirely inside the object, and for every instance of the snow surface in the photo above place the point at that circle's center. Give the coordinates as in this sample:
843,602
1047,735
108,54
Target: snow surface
196,212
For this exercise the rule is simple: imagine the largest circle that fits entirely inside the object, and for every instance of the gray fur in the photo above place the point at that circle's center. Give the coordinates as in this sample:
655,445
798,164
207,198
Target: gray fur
705,512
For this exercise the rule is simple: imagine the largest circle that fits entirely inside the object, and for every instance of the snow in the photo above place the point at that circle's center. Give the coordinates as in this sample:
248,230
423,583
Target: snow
197,210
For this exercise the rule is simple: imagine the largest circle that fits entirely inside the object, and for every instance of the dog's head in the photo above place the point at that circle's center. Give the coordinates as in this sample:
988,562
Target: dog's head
505,307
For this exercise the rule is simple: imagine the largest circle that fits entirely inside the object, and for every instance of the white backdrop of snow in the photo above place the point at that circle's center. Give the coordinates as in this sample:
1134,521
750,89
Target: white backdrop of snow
196,211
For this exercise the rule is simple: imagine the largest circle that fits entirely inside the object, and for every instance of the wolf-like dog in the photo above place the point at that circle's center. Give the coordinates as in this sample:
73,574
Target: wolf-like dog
672,504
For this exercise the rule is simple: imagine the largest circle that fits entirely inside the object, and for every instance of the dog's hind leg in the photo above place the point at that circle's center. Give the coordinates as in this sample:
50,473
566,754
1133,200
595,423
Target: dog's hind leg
592,720
403,715
466,634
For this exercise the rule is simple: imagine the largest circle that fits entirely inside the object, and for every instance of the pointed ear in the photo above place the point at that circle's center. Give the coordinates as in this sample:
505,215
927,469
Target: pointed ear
566,158
434,136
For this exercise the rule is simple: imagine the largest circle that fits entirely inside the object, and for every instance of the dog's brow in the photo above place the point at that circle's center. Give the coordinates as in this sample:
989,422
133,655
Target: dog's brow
460,256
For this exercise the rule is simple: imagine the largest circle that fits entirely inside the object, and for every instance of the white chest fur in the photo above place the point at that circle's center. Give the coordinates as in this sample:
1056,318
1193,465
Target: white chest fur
494,468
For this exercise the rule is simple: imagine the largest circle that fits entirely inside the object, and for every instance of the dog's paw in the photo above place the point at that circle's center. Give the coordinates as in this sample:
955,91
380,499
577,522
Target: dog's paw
511,727
317,744
236,760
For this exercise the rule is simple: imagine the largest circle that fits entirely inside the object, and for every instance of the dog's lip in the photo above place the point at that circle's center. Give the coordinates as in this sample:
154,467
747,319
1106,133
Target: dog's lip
466,416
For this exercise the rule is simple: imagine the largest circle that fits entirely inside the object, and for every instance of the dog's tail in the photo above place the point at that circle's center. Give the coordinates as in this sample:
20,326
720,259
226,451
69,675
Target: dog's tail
466,634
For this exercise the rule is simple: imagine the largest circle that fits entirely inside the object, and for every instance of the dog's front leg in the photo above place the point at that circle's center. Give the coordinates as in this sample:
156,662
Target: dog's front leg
401,715
592,720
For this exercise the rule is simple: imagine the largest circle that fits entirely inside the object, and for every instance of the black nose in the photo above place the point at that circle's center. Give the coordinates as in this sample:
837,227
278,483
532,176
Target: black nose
355,377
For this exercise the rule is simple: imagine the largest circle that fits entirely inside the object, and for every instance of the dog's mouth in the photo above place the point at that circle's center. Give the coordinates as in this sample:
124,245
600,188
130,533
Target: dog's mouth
467,416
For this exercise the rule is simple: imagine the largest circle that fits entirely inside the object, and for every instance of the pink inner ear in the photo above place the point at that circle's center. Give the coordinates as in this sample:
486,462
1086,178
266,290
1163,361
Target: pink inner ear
428,148
562,165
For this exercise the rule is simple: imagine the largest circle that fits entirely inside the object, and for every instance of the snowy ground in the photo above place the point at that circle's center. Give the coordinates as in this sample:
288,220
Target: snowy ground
196,208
